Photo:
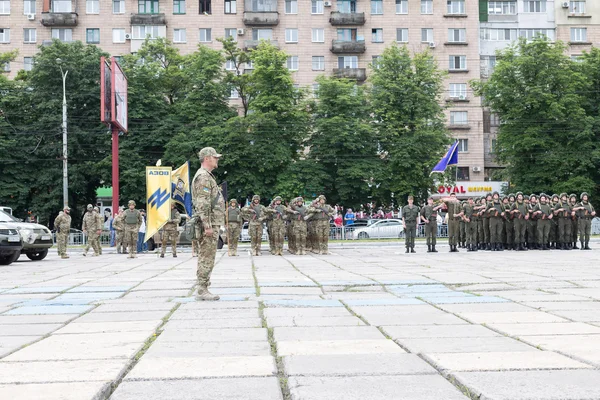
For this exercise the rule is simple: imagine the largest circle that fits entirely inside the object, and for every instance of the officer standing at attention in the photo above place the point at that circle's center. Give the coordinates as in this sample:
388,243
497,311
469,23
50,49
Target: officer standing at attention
90,228
132,219
495,212
543,212
234,220
429,215
410,215
62,224
454,215
255,214
470,224
586,214
170,233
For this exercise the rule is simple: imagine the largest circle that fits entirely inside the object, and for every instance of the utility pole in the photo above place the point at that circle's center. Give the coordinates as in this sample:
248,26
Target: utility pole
64,127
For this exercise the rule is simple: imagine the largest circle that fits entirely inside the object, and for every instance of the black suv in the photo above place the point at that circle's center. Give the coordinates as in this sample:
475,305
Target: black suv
11,244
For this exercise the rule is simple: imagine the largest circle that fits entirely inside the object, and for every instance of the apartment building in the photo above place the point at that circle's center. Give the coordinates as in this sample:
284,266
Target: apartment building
339,38
578,25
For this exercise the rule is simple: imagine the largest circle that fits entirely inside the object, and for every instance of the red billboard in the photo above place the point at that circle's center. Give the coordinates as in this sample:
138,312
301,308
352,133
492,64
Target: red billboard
105,91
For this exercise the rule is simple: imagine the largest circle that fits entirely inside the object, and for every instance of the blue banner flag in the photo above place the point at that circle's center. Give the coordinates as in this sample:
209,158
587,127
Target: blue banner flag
449,159
180,187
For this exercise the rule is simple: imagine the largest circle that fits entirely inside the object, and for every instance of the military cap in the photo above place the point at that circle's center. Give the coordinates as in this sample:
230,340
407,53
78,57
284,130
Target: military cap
255,197
208,152
90,207
233,201
411,197
322,197
488,194
277,198
96,209
130,202
584,194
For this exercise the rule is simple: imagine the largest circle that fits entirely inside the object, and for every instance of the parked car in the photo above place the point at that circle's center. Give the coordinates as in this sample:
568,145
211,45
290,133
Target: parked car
383,228
37,239
245,236
11,244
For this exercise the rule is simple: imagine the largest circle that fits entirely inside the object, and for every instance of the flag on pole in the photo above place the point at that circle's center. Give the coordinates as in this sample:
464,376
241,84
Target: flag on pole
180,187
449,159
158,199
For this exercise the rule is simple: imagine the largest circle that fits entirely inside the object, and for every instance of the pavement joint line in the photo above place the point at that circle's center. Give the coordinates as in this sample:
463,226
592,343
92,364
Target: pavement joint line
351,311
281,374
306,275
256,285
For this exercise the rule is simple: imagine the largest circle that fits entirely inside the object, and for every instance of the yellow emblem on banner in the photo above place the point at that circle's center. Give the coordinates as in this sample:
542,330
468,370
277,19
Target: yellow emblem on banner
158,199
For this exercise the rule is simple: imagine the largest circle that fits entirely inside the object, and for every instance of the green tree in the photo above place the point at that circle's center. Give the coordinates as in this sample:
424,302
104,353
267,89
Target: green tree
405,103
545,137
237,78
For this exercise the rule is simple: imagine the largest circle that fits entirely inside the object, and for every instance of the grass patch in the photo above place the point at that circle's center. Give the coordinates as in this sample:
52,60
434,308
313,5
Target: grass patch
281,374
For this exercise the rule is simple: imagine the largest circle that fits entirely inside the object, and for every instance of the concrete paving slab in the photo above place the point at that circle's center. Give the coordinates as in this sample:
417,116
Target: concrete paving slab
512,317
215,314
208,349
565,305
356,365
438,331
56,391
109,327
36,319
196,305
314,321
205,367
38,290
213,323
327,333
406,387
554,328
61,371
489,307
213,335
203,389
131,307
413,319
90,289
292,290
28,329
565,342
382,302
502,361
465,300
8,344
122,316
463,345
315,347
532,385
307,312
56,309
579,315
303,303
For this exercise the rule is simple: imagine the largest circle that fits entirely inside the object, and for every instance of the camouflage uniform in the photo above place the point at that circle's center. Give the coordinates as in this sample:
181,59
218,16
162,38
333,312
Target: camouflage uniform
410,215
119,226
454,208
133,220
90,228
62,224
100,225
234,227
519,212
486,223
574,220
170,233
462,230
509,223
586,213
495,211
209,206
267,221
544,214
277,215
255,214
311,241
553,235
296,213
321,213
429,215
532,241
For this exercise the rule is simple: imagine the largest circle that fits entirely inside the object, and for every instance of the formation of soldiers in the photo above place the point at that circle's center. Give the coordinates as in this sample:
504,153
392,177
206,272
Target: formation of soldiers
513,222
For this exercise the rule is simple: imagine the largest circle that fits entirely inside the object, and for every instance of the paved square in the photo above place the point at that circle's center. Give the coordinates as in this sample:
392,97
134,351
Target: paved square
366,322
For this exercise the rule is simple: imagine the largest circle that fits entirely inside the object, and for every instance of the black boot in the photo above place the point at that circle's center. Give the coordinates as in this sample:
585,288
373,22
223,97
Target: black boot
407,251
587,246
474,247
559,246
575,246
433,250
412,250
469,247
569,246
489,247
582,245
429,248
500,246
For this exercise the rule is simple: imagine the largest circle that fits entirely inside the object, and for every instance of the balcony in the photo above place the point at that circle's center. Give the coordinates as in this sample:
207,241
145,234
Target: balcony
348,46
337,18
262,18
357,74
253,44
148,19
59,19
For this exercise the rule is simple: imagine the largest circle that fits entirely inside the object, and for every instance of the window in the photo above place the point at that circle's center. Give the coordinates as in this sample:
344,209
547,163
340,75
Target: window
118,6
317,7
292,63
401,6
5,67
118,35
376,6
92,7
148,6
28,7
488,63
144,31
346,34
62,34
231,33
494,143
28,63
179,35
234,94
577,7
502,8
458,90
315,90
533,33
535,6
4,7
458,118
318,35
318,63
375,60
494,119
458,63
230,65
262,34
462,173
456,6
249,64
457,35
205,7
92,35
377,35
426,6
178,6
230,7
291,35
577,58
463,144
578,34
205,35
498,34
346,6
348,62
60,6
291,6
427,35
29,35
402,35
4,35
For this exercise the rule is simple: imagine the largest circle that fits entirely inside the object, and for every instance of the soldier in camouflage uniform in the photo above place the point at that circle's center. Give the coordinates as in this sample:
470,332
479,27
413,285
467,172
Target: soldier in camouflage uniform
292,247
267,219
454,215
92,230
574,220
462,231
496,214
553,235
520,216
469,214
543,212
586,213
255,214
509,225
119,226
311,242
296,214
532,240
234,227
321,213
429,215
62,224
132,219
170,233
562,211
277,215
480,209
100,225
410,215
209,207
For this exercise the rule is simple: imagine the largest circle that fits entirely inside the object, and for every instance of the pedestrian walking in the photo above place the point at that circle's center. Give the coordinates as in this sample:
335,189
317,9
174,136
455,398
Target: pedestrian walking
62,224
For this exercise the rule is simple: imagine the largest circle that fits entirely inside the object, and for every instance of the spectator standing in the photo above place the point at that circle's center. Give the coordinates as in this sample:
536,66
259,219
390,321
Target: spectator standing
350,217
141,245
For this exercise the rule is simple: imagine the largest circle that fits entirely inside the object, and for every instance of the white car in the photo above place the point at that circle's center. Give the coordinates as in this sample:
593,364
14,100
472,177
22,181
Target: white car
379,228
245,237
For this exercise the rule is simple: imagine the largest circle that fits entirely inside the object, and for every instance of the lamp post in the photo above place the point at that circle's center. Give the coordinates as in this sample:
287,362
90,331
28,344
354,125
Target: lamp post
64,127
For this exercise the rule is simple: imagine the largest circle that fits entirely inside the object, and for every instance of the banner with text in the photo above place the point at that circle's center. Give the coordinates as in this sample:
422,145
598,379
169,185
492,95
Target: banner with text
158,199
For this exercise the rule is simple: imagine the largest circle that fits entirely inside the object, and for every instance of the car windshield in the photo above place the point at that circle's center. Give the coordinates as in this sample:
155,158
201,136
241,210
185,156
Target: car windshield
4,217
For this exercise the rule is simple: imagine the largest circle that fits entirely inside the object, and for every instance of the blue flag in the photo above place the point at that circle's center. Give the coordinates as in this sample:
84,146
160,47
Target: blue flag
450,158
180,187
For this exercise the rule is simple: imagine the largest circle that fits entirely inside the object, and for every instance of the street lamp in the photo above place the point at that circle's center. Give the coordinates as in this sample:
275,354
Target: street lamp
64,126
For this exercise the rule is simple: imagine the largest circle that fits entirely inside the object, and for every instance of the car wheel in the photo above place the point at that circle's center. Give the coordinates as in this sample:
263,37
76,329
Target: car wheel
363,235
220,243
6,259
38,255
16,256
